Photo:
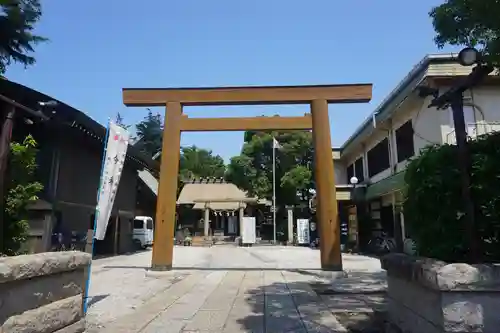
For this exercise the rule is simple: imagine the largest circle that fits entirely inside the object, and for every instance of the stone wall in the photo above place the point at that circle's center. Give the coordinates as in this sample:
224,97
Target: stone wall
43,292
431,296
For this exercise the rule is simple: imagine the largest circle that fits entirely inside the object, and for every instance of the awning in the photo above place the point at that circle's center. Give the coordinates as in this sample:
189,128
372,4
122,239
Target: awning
387,185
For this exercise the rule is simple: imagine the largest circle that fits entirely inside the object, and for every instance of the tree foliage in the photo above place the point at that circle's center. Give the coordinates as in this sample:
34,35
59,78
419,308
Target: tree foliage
252,169
434,208
196,163
469,23
21,189
149,134
17,41
119,121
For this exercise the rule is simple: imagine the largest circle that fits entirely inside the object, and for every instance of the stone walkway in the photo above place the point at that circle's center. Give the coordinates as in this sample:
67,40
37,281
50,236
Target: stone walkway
229,289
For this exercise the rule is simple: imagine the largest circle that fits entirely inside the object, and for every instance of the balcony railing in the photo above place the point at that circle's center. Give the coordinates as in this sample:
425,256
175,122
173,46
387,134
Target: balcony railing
474,130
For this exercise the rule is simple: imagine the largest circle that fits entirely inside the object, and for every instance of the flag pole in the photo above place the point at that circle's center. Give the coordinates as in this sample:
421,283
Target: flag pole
274,190
96,215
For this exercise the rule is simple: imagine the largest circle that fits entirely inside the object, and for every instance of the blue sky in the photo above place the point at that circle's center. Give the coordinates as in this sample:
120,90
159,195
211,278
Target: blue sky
98,47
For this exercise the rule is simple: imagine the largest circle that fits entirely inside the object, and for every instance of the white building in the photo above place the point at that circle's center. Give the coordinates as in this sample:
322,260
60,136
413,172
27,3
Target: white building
378,151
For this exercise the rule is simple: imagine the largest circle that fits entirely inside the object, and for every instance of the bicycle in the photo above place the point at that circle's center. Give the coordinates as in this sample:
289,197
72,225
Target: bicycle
382,244
78,242
58,245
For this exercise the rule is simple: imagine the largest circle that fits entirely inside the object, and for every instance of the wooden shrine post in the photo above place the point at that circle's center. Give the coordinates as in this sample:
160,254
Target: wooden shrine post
175,122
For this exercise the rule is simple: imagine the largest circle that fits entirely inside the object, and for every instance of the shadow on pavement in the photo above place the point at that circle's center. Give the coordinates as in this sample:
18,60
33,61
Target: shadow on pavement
304,271
94,299
301,307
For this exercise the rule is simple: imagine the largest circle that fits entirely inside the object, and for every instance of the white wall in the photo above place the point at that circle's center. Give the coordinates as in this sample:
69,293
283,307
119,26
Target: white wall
431,126
426,124
481,108
340,172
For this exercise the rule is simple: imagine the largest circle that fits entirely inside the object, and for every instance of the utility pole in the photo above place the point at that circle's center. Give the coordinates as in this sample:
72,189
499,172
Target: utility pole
453,98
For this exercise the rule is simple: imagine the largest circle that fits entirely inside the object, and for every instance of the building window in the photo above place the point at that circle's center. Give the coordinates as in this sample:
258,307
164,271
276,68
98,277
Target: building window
359,170
378,158
404,141
350,173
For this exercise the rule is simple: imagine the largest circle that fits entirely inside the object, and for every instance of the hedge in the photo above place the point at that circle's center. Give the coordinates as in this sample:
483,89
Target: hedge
433,205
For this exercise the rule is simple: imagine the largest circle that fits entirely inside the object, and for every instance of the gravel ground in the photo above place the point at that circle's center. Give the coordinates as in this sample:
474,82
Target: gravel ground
119,284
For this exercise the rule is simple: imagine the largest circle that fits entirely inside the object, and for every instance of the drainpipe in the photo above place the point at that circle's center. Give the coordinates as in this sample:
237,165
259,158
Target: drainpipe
362,207
398,229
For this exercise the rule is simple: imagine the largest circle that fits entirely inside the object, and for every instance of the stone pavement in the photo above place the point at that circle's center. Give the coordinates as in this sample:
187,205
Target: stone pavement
229,289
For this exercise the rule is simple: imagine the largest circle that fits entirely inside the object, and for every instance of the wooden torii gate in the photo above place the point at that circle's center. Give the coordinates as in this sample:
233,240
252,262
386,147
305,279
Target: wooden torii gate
175,122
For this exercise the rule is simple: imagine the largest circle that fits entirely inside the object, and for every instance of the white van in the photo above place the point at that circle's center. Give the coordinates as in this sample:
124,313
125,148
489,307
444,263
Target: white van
143,231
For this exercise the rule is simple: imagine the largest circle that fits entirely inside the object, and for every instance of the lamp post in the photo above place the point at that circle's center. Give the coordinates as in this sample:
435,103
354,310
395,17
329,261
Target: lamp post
454,98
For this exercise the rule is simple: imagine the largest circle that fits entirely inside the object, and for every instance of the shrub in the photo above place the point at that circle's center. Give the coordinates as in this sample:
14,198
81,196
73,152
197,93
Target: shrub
433,205
21,190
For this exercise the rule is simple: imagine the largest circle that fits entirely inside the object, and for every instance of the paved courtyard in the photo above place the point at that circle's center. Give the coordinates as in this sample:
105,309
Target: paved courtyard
227,289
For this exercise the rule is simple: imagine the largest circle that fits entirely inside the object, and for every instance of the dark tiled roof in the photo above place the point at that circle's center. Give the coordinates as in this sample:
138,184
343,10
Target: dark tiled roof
69,115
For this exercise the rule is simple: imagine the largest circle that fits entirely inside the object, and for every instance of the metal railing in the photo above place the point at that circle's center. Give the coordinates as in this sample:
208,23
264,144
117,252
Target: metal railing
474,130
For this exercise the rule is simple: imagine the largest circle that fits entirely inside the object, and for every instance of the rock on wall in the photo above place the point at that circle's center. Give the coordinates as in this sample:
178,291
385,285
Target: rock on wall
431,296
43,292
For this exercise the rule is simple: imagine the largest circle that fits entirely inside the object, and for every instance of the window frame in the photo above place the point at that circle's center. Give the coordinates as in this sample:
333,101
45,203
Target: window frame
378,165
405,141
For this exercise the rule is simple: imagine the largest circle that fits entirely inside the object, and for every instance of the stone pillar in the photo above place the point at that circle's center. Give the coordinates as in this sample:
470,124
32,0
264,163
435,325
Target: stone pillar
47,231
241,220
290,223
163,246
326,212
206,222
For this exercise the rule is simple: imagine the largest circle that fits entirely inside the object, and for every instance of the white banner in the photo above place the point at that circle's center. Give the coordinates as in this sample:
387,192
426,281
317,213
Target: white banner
114,159
303,231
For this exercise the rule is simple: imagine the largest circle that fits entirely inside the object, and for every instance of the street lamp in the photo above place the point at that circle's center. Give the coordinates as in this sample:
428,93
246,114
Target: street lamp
354,181
454,98
468,56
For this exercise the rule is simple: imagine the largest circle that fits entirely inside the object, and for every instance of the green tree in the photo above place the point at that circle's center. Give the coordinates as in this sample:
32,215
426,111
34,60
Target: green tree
252,169
21,189
197,162
433,206
17,41
469,23
149,134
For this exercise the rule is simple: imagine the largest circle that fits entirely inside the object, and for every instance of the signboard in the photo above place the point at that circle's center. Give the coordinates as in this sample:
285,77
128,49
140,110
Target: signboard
303,231
248,236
